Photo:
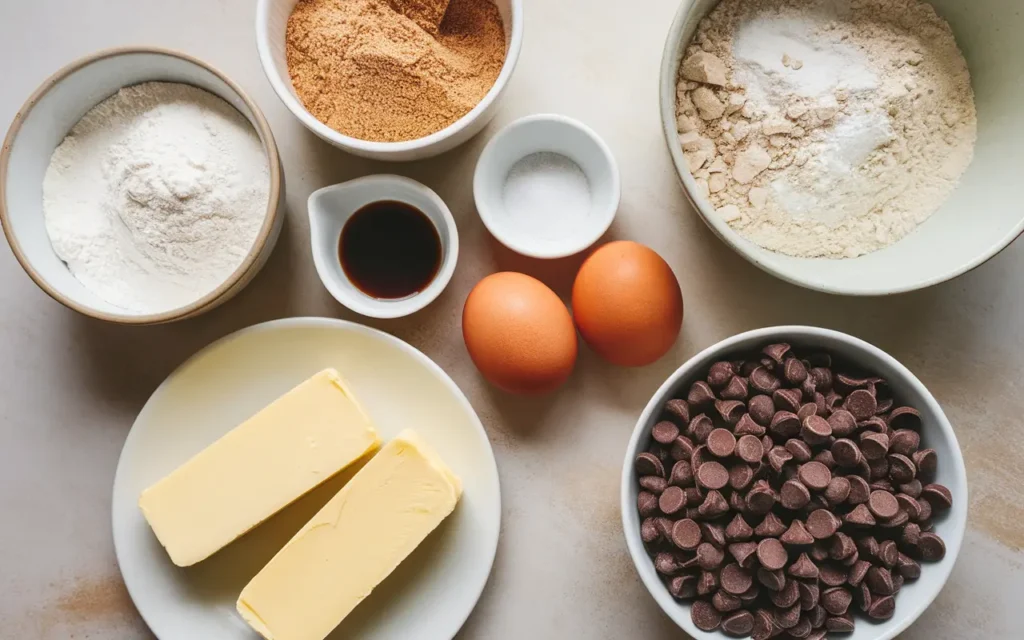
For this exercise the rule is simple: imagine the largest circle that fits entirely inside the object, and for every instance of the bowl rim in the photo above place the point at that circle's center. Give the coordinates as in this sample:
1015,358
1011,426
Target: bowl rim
270,218
360,302
608,210
671,59
282,89
767,334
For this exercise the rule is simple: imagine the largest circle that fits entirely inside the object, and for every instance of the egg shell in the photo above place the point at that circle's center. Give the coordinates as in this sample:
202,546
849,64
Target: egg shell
519,334
627,304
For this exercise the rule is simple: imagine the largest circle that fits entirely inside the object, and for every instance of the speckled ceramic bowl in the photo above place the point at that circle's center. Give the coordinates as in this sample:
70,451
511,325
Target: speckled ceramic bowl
937,433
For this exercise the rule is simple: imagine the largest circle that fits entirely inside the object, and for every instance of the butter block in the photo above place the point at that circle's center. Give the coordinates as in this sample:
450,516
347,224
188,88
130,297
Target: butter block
359,537
258,468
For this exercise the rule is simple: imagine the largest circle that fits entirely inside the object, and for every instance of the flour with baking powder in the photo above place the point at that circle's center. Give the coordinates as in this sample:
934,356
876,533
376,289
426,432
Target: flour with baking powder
825,128
156,196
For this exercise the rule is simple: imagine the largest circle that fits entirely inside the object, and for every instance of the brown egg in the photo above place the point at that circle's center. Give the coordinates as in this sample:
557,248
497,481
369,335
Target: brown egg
627,304
519,333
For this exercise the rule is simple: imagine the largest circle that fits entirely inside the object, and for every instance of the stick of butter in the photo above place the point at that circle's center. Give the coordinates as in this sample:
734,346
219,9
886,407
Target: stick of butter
258,468
360,536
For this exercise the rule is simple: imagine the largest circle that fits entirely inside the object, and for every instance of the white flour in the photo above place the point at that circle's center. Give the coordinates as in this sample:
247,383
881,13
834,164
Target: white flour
825,128
156,195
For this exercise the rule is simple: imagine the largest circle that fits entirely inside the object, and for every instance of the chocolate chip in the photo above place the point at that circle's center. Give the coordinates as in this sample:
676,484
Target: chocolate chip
938,496
730,410
873,445
837,491
787,596
794,495
905,442
932,547
860,491
862,596
713,533
801,450
720,374
776,351
807,410
858,572
861,403
700,427
822,524
648,464
926,461
904,418
724,602
679,411
681,449
700,394
879,469
745,553
693,495
704,615
796,534
747,426
815,430
875,424
901,469
888,553
763,381
686,534
860,516
794,371
707,583
709,557
842,547
801,630
664,432
879,580
653,484
681,474
646,504
714,505
816,615
739,624
785,424
721,443
908,567
778,457
735,579
760,500
736,389
671,500
738,530
810,596
803,568
836,600
649,531
772,580
846,452
787,399
912,488
764,625
761,409
882,608
839,624
749,448
883,504
925,511
818,634
832,575
712,475
815,475
740,476
771,554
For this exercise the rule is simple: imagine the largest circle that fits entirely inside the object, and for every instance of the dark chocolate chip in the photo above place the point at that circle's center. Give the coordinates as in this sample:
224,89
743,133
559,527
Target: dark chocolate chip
749,448
778,457
938,496
846,452
858,572
649,531
730,410
860,516
901,469
861,403
720,374
794,494
721,443
738,530
704,615
817,615
842,547
822,524
904,418
747,426
839,624
772,580
836,600
681,449
671,500
683,587
796,534
802,629
735,579
926,460
801,450
707,583
681,474
739,624
905,442
785,424
709,557
771,554
807,410
686,534
815,475
740,476
837,491
664,432
760,499
763,381
932,547
787,399
736,389
725,602
794,371
714,505
815,430
648,464
873,445
700,394
761,409
832,575
646,504
888,553
881,608
879,580
776,351
874,424
653,484
665,563
787,596
745,553
883,504
860,491
810,596
803,568
713,533
679,411
712,475
925,511
908,567
764,625
700,427
912,488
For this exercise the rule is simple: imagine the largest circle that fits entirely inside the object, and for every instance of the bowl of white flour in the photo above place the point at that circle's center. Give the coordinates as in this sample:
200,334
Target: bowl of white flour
858,147
140,186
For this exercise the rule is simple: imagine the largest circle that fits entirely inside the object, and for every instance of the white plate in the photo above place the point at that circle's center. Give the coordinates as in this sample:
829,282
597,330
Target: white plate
428,596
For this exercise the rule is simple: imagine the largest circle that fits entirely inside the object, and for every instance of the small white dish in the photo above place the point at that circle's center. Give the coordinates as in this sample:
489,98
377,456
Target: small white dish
42,124
560,136
271,25
331,207
936,433
428,597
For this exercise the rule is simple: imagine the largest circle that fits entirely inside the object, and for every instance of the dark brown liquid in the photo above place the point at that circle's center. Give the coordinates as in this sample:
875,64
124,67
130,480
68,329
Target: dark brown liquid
390,250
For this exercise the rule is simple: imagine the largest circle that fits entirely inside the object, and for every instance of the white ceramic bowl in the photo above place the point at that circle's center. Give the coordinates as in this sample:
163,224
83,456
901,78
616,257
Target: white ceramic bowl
331,207
271,23
982,216
43,122
552,134
937,433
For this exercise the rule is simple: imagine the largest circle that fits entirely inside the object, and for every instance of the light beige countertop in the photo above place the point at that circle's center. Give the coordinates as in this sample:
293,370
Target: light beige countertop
72,386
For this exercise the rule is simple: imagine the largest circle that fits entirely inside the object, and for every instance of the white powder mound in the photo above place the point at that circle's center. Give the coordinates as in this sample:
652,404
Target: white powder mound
156,195
834,127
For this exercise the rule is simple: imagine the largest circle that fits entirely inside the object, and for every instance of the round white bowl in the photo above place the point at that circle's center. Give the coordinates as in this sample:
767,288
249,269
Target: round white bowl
43,122
936,433
554,134
982,217
271,24
331,207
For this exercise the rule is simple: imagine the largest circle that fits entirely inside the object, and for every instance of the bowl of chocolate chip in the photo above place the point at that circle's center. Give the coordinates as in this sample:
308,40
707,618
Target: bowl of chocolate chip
793,482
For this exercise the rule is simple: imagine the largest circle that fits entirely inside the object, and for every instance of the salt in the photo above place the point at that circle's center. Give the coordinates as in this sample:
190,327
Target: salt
546,196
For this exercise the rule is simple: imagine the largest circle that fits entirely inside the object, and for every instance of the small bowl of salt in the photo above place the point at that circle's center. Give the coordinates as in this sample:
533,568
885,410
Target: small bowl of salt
546,186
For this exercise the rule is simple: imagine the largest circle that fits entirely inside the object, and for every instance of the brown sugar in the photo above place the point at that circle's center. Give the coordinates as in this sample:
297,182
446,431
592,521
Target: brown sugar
426,13
371,72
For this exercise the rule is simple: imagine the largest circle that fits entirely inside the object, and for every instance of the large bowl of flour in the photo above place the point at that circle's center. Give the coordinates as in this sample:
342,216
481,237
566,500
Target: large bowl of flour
140,186
856,147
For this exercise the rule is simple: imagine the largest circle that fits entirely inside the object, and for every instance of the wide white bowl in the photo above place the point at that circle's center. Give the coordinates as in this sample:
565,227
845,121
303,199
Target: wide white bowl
982,217
43,122
936,433
271,24
332,206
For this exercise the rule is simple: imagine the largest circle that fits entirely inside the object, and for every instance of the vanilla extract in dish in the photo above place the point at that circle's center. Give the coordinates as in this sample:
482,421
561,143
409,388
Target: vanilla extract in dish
390,250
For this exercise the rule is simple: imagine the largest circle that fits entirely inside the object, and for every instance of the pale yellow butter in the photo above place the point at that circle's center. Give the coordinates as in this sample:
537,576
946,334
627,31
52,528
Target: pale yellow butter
360,536
258,468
